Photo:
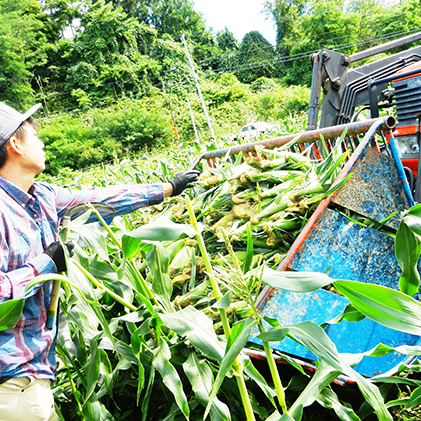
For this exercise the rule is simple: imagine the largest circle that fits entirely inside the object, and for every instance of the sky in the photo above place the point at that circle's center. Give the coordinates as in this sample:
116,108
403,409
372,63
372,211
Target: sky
239,16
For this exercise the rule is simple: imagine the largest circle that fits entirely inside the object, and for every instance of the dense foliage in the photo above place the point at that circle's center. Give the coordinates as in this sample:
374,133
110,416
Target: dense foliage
124,59
72,55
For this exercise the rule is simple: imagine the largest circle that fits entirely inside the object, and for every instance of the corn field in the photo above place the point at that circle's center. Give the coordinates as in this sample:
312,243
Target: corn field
157,306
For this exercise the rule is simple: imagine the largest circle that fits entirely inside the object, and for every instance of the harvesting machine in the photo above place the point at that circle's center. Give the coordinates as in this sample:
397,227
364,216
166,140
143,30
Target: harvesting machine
384,180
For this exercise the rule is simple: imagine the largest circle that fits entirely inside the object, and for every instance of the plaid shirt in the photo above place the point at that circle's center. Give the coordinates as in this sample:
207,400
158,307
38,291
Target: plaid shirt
29,223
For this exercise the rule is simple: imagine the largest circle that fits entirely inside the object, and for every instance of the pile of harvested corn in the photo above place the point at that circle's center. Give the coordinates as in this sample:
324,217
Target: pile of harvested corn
271,193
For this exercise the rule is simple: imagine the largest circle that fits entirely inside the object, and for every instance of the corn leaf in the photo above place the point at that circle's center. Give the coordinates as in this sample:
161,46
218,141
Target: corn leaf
170,377
414,399
329,399
237,341
314,338
140,381
147,397
324,375
408,251
200,376
386,306
350,314
126,351
10,312
198,329
91,409
157,260
245,267
92,367
106,371
284,417
295,281
414,218
253,374
162,230
93,236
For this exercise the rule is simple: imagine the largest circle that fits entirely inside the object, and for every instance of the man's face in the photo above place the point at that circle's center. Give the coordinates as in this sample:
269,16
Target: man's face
33,151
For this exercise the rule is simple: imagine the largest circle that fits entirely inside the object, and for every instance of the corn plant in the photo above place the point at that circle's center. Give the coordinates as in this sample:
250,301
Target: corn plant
158,318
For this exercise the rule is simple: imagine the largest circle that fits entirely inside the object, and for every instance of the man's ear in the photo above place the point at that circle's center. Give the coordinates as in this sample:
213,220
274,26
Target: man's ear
14,145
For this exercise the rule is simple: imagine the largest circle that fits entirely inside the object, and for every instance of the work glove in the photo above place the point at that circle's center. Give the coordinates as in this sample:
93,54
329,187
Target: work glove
183,181
56,253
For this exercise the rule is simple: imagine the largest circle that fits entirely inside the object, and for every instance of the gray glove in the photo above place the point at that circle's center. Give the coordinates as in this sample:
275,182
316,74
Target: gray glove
56,253
183,180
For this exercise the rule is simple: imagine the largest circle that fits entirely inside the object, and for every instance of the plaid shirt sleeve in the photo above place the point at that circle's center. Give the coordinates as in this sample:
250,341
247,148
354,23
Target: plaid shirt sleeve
123,199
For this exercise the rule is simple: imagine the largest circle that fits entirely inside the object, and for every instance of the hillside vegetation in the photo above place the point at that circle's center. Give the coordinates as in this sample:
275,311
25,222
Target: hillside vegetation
114,77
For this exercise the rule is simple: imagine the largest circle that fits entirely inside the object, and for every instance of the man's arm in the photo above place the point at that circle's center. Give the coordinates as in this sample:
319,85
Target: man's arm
14,282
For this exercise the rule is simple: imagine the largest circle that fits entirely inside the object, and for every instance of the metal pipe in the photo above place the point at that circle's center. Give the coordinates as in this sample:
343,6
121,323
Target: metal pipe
417,193
385,47
401,170
385,123
199,91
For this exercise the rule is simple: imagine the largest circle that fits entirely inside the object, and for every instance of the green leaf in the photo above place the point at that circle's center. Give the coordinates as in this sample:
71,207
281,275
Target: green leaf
198,328
249,253
162,230
386,306
295,281
284,417
323,377
329,399
237,341
94,237
140,381
251,372
92,367
91,409
157,260
415,212
224,301
414,399
147,397
315,339
408,251
201,379
126,351
10,312
106,371
170,377
350,314
131,246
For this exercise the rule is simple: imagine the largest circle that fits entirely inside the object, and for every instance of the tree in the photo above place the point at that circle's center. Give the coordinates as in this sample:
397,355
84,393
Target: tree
173,17
60,15
286,15
107,55
22,48
257,58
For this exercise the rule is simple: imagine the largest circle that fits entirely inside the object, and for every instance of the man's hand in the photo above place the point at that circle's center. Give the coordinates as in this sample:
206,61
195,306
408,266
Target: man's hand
183,181
56,253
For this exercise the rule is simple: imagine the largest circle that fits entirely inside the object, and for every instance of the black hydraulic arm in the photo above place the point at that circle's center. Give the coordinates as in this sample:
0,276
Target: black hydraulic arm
345,88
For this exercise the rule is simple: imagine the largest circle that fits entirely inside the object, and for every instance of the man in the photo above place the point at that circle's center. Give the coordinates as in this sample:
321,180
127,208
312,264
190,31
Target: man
30,215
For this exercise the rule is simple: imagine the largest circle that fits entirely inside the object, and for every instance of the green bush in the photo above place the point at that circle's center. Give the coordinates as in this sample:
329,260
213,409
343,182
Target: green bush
281,103
134,124
100,135
131,126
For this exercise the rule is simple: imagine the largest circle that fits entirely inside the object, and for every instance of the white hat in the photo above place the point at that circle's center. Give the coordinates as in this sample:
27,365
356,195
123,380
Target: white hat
10,120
